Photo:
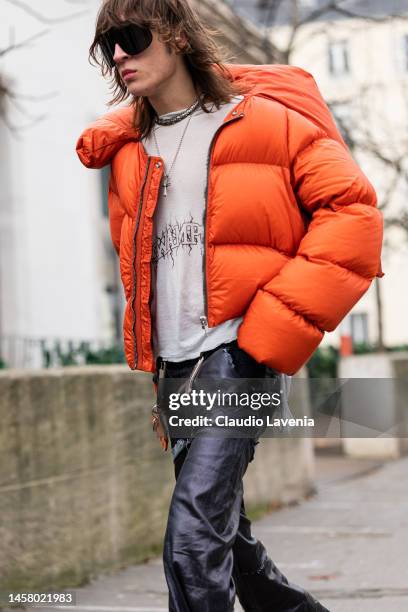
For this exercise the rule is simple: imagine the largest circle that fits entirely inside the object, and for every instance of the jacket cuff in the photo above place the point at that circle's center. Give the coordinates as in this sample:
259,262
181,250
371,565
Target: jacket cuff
276,336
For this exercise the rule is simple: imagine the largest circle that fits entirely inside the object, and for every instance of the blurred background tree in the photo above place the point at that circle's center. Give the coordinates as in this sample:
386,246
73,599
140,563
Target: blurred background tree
7,93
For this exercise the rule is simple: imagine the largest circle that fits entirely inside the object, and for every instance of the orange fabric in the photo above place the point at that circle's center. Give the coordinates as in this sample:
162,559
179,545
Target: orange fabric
292,235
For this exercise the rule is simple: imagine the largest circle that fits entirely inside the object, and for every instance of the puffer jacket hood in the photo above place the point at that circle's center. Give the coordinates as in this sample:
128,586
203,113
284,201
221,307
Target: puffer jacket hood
289,85
292,233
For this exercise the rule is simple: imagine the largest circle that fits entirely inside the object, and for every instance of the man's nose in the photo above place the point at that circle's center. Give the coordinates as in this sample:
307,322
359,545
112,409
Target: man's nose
119,54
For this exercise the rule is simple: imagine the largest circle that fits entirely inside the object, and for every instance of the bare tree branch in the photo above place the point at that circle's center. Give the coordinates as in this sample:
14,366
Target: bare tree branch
296,23
31,98
42,18
6,93
15,101
17,129
23,43
359,138
335,6
400,222
273,7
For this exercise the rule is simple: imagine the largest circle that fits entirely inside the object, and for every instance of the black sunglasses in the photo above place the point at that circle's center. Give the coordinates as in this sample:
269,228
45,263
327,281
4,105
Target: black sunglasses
132,39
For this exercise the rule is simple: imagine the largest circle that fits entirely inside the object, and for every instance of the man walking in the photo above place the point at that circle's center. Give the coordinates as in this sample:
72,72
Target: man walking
245,230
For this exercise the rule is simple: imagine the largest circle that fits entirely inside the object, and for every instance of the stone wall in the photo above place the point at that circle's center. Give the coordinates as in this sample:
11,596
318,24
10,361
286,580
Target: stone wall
84,483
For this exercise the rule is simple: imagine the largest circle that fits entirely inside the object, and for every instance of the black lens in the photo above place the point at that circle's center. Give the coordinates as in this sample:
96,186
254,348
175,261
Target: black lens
132,39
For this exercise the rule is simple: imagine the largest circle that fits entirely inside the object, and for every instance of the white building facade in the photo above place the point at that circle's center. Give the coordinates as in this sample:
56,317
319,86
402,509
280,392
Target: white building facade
53,264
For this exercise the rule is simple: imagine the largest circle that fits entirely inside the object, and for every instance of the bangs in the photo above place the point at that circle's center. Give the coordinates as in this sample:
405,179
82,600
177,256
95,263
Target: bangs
116,13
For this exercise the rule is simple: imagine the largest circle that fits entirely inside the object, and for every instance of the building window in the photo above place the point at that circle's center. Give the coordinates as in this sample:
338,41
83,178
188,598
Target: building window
339,63
359,328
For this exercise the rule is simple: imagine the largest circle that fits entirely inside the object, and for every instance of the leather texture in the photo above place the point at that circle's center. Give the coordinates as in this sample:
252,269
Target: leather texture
210,555
292,232
227,361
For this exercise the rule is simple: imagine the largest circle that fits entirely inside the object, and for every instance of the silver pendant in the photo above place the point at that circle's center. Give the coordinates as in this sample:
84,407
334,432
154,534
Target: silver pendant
166,184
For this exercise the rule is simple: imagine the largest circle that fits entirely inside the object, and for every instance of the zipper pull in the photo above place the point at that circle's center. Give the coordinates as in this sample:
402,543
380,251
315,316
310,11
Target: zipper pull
162,369
194,373
204,323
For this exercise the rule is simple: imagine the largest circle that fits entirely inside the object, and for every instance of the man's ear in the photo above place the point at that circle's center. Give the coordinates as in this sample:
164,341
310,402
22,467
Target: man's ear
182,42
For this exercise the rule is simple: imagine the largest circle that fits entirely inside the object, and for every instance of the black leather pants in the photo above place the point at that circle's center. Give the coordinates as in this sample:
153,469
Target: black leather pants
210,555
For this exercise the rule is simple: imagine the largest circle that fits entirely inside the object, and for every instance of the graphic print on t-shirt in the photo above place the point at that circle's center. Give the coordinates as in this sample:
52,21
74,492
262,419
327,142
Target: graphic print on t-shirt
185,235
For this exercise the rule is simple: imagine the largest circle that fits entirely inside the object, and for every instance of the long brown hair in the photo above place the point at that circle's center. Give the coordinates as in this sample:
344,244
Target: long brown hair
169,18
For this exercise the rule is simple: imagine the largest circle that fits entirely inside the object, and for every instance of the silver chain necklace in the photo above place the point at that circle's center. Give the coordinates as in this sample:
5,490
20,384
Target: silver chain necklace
166,182
178,116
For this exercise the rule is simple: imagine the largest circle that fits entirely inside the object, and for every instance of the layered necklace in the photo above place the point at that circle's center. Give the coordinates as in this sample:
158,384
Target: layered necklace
171,119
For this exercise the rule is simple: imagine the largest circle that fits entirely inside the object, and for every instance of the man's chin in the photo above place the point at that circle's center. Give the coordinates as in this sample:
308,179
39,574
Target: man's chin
138,90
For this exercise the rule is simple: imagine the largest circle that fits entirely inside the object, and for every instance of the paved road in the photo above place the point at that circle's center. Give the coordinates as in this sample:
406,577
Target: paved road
348,545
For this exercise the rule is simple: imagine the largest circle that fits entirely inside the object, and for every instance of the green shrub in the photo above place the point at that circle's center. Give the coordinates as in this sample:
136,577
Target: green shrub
363,348
82,354
398,347
323,363
112,354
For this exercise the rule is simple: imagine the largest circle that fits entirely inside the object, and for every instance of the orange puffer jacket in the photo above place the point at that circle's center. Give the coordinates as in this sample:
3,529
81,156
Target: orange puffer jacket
292,233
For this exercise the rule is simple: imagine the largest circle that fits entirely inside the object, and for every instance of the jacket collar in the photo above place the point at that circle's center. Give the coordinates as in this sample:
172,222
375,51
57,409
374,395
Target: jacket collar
291,86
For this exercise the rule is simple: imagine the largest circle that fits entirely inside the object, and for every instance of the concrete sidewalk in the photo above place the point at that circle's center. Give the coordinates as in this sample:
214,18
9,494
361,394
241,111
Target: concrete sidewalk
348,545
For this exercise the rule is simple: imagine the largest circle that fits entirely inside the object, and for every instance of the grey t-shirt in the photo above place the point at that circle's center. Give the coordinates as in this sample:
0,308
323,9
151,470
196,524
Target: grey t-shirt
178,240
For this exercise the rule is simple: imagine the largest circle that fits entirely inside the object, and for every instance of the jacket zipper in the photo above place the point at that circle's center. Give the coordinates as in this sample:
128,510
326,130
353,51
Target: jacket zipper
204,319
204,323
134,261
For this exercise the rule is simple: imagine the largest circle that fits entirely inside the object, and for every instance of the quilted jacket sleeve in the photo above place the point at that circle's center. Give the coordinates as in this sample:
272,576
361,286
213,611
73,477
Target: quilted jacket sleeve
336,260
